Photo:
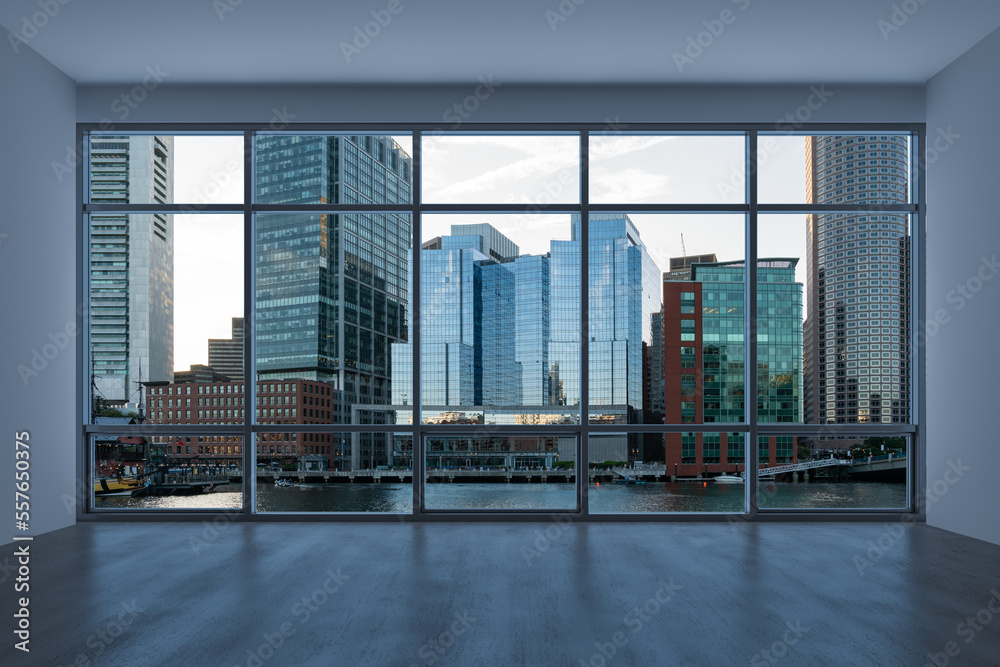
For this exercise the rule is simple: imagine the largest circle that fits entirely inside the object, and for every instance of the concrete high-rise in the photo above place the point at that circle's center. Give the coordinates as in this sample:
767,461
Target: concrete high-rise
857,361
225,355
131,267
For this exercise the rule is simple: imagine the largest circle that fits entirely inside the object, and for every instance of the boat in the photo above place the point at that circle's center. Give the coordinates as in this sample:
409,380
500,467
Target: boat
283,483
628,480
120,486
729,479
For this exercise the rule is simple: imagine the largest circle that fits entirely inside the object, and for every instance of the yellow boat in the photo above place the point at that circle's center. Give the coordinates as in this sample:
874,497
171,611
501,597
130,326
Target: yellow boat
119,486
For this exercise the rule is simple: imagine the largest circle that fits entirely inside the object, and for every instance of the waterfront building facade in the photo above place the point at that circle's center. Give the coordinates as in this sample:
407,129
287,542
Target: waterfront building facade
704,363
289,402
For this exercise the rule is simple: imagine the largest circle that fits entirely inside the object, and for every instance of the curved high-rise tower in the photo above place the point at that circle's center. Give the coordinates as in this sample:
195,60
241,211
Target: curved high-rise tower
857,361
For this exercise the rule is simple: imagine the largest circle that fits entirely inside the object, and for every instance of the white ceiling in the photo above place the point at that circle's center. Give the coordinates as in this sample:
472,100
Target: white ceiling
441,41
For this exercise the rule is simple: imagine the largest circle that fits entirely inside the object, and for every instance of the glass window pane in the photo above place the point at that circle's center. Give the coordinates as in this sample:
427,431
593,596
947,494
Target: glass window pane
834,319
166,169
672,472
332,294
500,472
834,169
844,472
499,321
333,169
536,170
332,472
166,301
145,471
667,169
666,318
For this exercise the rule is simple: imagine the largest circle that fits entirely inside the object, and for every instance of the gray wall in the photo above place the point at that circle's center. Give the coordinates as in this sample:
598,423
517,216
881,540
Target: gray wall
37,285
962,250
435,104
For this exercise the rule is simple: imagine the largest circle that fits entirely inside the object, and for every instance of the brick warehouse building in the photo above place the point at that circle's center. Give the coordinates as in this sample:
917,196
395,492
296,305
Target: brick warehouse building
287,402
703,363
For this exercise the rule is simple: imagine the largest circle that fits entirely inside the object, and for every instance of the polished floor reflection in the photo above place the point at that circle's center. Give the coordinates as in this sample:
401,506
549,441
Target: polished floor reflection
553,592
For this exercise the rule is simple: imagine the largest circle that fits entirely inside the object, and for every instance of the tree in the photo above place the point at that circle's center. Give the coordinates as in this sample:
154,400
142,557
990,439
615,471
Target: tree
873,446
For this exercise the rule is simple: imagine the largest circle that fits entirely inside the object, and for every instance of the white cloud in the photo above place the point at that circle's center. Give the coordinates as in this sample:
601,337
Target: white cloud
628,185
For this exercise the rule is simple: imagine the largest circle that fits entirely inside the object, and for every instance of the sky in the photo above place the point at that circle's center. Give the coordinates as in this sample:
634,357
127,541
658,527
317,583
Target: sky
533,170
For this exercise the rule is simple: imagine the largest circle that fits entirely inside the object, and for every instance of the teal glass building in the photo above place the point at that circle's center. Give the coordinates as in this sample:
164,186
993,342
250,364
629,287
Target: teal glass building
705,365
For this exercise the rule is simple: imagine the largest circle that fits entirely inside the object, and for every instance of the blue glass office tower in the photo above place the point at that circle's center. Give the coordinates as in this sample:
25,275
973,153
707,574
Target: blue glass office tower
331,289
502,329
469,357
624,294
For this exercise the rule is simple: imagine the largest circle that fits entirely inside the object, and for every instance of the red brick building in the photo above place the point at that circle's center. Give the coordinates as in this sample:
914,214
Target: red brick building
703,372
290,402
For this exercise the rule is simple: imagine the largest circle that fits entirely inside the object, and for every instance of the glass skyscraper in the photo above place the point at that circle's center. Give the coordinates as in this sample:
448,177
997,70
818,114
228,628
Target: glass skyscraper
503,329
857,331
332,289
705,365
467,332
131,267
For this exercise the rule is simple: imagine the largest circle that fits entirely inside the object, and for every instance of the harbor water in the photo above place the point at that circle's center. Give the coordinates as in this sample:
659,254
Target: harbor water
699,496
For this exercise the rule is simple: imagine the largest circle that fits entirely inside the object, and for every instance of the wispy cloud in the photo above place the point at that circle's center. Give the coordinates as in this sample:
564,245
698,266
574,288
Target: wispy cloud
525,164
628,185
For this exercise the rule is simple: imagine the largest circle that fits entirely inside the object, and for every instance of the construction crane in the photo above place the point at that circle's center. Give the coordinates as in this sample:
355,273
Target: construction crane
683,249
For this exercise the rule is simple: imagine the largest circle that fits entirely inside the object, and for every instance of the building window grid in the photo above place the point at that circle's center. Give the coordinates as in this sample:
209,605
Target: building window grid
783,443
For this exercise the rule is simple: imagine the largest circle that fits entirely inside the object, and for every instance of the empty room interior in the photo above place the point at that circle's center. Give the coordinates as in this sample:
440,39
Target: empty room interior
399,333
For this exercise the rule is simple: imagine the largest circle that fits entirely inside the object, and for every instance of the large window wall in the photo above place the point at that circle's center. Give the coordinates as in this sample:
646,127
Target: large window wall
342,321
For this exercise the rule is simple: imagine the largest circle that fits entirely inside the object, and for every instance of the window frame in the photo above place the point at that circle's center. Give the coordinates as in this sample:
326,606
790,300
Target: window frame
750,428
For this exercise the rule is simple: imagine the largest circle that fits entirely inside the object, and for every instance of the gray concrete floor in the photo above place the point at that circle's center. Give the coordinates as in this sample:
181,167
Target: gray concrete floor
477,594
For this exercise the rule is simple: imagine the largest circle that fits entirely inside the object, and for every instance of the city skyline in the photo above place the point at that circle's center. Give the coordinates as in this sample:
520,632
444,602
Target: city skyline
499,320
209,171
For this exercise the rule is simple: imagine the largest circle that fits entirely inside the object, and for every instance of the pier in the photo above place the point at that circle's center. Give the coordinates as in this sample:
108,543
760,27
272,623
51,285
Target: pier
831,469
